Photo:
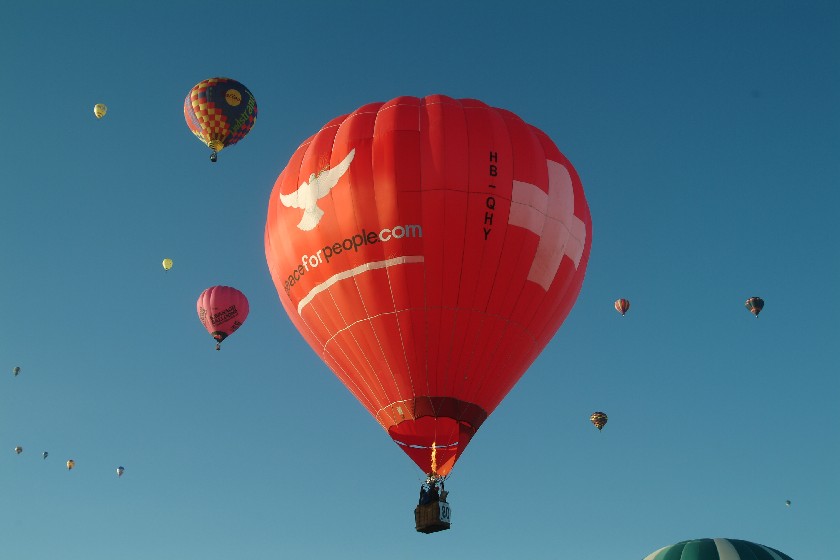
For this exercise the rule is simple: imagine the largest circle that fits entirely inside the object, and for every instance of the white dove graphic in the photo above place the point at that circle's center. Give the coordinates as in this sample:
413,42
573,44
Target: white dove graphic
317,187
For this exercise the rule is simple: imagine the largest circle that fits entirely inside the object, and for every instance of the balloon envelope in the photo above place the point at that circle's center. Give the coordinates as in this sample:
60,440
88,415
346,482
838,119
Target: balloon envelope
599,419
754,305
16,370
220,112
622,306
70,464
222,310
717,549
167,264
99,110
428,249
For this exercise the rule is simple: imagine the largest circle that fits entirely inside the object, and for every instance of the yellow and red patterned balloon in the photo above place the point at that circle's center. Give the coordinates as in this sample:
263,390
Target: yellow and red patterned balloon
220,112
599,419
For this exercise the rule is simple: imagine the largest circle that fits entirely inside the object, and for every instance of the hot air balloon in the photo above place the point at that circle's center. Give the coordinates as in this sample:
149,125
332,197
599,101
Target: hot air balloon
716,549
787,503
754,305
70,464
16,370
18,450
622,306
167,264
99,110
120,471
222,310
220,112
599,419
45,454
428,249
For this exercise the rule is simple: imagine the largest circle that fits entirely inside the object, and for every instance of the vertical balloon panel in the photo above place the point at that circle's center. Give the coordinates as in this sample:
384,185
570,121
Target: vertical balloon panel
428,249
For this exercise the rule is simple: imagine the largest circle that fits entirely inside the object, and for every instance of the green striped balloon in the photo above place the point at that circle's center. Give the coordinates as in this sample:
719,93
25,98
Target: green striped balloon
717,549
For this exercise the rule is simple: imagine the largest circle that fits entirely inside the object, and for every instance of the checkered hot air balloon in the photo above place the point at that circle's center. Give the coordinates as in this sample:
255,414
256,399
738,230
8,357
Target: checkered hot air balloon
599,420
220,112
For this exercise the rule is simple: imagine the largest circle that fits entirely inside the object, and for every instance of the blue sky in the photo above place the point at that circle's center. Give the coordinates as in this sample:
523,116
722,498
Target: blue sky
706,138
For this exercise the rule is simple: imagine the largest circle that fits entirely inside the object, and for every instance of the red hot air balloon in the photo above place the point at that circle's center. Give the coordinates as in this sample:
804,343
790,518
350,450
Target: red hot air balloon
428,249
222,310
622,306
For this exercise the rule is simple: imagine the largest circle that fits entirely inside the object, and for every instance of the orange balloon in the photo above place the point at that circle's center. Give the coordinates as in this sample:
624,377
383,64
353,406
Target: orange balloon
428,249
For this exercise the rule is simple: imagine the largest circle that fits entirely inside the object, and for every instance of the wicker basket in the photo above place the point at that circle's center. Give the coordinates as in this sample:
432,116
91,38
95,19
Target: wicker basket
427,518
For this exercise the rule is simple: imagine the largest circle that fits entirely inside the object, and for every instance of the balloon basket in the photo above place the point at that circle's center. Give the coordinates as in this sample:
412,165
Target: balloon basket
431,518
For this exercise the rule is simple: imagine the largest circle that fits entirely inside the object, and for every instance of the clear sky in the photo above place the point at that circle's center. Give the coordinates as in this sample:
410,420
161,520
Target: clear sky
707,139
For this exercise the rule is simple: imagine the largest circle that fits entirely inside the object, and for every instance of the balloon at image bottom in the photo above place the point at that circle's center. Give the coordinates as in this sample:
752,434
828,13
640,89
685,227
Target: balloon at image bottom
717,549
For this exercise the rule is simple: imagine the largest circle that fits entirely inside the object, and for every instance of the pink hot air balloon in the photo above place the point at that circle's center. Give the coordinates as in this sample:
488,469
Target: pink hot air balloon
222,310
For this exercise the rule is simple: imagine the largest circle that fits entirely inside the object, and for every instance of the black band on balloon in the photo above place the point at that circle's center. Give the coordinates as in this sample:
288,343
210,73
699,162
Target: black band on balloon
219,335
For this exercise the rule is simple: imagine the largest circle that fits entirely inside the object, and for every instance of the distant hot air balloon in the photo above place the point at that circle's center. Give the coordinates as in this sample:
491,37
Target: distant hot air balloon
222,310
167,264
428,249
220,112
622,306
787,503
18,450
716,549
45,454
99,110
599,419
754,305
70,464
16,370
120,471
